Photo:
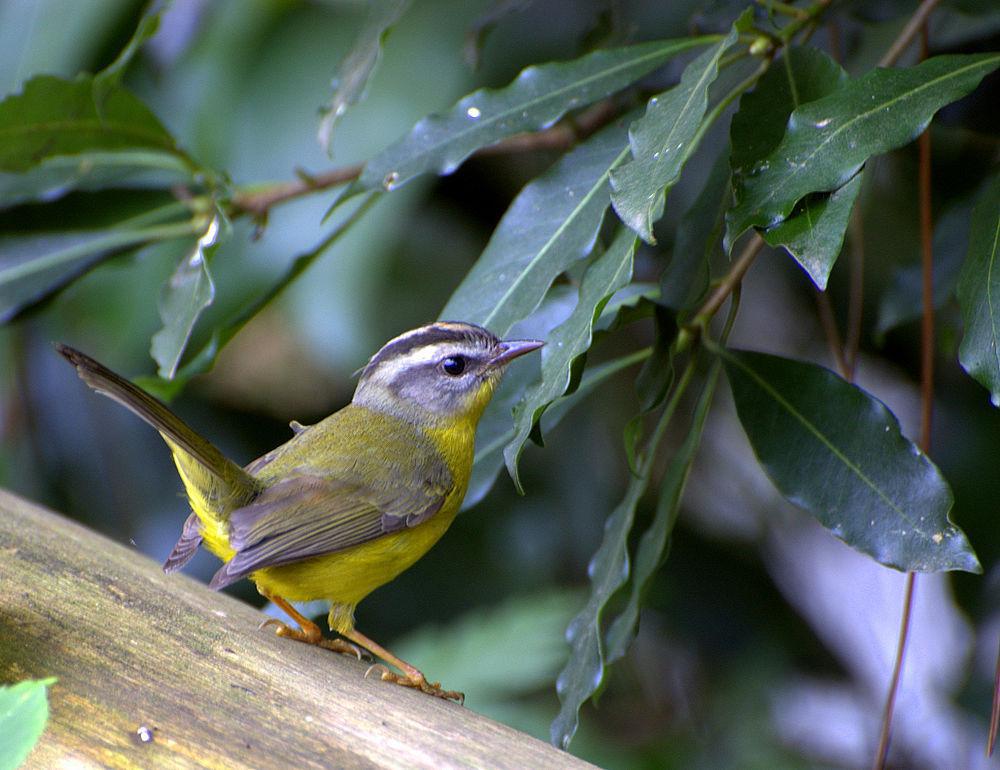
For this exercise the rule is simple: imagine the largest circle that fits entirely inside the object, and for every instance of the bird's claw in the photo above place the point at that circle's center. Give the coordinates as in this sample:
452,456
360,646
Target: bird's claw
416,682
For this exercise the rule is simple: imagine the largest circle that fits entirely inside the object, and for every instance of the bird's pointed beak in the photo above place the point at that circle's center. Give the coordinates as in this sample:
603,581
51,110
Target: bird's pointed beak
511,349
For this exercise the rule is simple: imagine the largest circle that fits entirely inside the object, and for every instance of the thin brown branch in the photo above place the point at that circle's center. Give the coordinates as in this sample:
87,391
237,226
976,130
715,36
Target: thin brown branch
926,403
829,323
257,203
910,31
729,281
991,740
897,669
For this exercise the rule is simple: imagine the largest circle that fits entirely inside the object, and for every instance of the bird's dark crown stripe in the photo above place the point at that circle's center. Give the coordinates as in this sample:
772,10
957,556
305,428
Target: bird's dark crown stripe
432,335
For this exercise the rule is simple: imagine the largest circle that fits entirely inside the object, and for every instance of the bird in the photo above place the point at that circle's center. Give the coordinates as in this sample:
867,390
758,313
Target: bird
346,504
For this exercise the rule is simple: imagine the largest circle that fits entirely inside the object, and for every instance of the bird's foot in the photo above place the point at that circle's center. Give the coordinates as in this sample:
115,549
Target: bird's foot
417,681
311,634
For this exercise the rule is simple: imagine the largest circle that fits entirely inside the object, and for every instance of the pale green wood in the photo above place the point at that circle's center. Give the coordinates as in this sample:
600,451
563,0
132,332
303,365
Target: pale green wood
133,648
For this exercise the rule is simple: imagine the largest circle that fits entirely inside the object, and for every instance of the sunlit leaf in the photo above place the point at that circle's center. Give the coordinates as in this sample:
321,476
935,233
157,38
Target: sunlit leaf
654,542
24,710
902,301
52,116
36,266
358,65
551,224
979,293
829,139
537,98
185,295
663,139
814,233
605,275
834,450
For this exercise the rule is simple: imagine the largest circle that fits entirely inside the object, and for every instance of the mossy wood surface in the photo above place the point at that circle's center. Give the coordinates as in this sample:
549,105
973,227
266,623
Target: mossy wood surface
135,650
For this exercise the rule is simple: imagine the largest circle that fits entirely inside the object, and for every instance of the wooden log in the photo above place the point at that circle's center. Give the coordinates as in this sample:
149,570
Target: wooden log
139,653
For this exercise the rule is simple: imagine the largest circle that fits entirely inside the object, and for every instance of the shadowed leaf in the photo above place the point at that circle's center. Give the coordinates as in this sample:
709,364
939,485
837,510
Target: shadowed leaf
605,275
979,293
24,710
837,452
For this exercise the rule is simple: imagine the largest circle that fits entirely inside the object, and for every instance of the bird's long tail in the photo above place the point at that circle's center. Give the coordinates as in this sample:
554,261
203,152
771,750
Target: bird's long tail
215,484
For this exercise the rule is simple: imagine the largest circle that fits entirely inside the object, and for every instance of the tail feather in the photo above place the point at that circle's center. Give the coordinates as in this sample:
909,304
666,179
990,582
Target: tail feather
182,437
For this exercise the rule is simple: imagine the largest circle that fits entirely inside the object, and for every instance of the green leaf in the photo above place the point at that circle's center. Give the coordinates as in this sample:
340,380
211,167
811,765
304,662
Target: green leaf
34,267
52,116
89,171
24,710
551,224
358,65
606,274
834,450
814,233
685,279
489,449
203,361
902,302
654,542
110,77
185,295
803,74
979,293
829,139
608,570
662,140
537,98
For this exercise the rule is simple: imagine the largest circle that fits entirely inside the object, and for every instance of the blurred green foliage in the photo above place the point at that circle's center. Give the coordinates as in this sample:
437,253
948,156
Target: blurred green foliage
239,86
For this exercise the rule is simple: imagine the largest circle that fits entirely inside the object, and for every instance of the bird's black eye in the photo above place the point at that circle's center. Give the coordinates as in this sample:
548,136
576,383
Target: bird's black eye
453,365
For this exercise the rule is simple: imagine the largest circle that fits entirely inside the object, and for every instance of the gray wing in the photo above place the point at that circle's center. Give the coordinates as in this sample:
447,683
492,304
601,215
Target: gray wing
306,516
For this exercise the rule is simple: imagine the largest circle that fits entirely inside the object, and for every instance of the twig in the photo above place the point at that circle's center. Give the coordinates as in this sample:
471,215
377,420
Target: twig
729,281
910,31
926,404
829,324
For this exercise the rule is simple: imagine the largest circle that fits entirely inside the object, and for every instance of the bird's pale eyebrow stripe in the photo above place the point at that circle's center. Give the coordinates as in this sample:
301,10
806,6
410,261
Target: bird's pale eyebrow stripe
429,335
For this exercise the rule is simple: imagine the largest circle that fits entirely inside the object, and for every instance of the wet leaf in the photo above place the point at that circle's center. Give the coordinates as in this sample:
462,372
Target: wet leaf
654,543
24,711
359,64
814,233
185,295
829,139
606,274
34,267
52,116
536,99
551,224
834,450
663,139
979,293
